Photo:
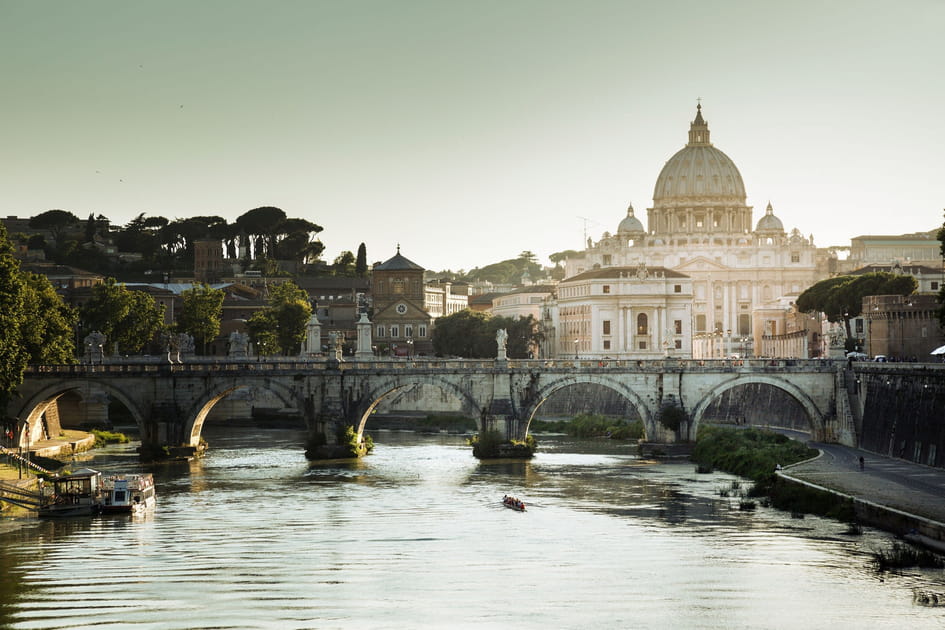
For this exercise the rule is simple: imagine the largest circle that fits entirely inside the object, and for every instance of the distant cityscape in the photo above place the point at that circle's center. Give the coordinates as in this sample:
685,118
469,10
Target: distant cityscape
702,280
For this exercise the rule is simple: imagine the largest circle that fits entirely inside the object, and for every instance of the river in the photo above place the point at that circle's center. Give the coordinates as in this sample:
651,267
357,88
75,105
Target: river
415,536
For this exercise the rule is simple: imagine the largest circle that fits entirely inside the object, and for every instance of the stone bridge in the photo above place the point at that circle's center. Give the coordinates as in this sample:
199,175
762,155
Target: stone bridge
170,402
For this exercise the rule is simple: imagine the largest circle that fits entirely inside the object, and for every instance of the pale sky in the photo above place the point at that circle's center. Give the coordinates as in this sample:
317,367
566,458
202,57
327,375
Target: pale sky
470,131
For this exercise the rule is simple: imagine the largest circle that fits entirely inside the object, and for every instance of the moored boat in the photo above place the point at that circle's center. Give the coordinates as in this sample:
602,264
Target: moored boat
513,504
128,493
77,494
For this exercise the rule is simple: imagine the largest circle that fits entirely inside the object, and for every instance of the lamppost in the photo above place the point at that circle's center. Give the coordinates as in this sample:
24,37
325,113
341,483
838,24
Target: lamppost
576,342
728,343
409,348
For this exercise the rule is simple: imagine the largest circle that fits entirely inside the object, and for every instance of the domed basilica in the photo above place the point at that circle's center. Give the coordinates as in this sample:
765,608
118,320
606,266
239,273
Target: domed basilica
700,280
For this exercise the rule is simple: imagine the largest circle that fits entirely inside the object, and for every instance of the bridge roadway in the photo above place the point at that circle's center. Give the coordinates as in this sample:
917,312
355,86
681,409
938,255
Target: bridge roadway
170,401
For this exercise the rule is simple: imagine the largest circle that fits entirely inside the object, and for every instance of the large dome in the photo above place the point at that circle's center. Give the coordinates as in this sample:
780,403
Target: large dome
700,172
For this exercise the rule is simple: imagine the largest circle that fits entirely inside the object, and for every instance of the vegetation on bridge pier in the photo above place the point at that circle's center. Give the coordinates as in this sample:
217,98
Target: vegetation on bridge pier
492,445
755,453
348,445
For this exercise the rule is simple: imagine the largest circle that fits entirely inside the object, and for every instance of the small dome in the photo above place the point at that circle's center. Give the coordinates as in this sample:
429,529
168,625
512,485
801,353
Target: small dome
769,222
630,223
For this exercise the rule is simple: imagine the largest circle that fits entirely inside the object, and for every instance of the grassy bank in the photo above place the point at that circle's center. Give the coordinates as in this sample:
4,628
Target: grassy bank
755,454
592,425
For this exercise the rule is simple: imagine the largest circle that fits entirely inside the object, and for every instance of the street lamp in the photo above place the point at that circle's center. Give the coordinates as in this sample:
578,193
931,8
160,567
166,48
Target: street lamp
576,341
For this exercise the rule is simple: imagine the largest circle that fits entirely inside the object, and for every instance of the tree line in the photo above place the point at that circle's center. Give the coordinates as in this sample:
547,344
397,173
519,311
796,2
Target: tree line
259,238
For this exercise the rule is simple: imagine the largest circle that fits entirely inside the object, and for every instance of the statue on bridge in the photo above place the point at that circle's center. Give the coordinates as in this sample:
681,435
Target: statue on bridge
94,348
239,342
501,342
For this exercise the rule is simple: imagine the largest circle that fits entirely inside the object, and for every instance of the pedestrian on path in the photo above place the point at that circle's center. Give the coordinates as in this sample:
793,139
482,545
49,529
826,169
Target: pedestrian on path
862,463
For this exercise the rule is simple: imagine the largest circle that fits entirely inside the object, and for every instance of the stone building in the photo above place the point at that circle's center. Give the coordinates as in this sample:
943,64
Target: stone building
621,313
701,227
902,327
402,325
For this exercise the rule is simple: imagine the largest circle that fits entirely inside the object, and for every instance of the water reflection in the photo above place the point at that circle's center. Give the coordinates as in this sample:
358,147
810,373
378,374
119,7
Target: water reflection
415,536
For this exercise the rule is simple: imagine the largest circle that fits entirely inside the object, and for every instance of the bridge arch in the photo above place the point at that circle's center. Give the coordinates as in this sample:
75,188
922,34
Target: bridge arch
31,410
197,413
602,380
382,389
815,417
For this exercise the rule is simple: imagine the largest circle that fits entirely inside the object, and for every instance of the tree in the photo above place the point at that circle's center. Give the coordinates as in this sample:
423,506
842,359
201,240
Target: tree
129,318
200,313
13,353
264,224
280,327
472,335
57,222
50,336
344,264
360,265
841,298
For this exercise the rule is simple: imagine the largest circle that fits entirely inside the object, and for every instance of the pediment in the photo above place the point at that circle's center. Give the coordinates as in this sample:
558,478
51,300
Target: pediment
400,310
700,264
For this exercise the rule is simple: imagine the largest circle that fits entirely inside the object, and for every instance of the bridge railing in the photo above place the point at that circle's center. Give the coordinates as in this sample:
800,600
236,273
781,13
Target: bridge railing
283,365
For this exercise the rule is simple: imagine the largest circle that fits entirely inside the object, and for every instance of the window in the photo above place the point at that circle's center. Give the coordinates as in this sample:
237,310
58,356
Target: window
642,324
380,331
408,330
935,286
859,326
678,324
394,331
700,323
606,326
606,288
677,288
422,330
642,345
795,257
678,344
607,259
744,324
606,344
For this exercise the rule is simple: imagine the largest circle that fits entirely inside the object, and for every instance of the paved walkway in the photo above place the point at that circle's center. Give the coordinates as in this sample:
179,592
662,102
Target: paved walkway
895,483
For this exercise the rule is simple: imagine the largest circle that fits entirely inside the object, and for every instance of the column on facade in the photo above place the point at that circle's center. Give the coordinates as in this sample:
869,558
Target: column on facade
661,332
621,333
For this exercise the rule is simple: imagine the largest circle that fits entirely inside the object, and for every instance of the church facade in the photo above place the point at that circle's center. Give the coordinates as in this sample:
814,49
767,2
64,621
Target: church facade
740,273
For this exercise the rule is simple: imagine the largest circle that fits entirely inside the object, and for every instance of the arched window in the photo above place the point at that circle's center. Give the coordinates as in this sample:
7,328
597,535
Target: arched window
642,326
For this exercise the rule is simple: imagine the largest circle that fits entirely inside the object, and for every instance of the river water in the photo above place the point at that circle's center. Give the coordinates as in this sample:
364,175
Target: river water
415,536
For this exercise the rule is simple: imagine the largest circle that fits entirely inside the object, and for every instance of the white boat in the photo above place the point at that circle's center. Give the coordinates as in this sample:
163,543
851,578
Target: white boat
128,493
78,494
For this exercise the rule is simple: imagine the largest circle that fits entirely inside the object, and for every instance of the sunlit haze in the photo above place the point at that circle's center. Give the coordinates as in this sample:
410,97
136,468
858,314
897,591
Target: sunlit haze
468,132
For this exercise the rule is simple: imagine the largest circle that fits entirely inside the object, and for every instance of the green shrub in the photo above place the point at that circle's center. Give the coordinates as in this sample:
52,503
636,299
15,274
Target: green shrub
755,453
109,437
672,417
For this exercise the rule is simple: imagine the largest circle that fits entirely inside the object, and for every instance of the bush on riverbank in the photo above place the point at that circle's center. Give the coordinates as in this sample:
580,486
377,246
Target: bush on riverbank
901,556
592,425
109,437
755,453
450,424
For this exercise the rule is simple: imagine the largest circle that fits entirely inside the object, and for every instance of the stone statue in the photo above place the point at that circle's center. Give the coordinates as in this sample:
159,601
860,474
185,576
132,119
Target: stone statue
239,343
501,340
94,347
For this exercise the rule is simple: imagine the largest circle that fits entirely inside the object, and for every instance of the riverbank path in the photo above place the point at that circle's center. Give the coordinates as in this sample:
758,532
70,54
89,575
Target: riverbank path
895,483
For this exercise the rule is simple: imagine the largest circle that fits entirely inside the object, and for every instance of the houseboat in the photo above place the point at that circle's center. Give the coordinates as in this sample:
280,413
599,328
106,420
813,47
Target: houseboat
128,493
77,494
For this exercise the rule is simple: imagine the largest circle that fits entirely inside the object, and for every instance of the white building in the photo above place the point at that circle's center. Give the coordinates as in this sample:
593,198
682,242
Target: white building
700,226
621,313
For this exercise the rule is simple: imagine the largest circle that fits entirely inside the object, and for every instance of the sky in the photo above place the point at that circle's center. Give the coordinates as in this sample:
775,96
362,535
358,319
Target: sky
469,132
